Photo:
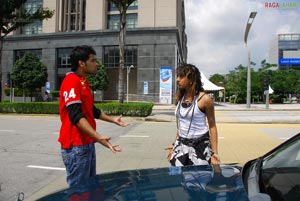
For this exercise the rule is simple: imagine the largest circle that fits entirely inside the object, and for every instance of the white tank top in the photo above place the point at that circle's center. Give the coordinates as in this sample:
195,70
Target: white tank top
190,125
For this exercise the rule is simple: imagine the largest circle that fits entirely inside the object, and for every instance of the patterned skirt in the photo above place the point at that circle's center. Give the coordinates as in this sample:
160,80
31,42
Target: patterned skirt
191,151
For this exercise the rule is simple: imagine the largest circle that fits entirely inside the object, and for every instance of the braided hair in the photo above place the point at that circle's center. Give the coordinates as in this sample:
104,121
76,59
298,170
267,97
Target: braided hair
193,74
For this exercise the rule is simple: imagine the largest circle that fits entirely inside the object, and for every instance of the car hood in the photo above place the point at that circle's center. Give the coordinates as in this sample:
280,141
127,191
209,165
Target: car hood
170,183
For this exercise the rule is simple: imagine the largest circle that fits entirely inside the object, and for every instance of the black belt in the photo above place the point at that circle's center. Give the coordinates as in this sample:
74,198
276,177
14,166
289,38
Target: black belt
193,141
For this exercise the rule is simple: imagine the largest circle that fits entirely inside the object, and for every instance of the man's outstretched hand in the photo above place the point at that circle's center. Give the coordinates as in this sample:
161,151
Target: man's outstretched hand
104,140
119,122
115,148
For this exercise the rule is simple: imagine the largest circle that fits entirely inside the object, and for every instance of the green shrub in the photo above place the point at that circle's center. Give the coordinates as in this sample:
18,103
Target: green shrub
29,108
126,109
19,92
7,91
276,99
54,94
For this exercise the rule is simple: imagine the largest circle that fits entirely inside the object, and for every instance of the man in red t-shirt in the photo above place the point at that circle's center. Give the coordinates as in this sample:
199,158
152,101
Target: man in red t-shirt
77,113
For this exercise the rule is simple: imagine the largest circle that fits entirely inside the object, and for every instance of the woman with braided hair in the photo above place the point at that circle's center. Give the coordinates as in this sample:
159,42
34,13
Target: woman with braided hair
196,140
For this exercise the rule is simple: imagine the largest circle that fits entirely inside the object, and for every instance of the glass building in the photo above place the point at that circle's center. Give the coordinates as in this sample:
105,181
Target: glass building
155,39
285,51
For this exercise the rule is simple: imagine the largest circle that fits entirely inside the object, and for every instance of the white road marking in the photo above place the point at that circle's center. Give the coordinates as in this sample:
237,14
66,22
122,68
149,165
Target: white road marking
137,136
284,138
44,167
134,136
10,131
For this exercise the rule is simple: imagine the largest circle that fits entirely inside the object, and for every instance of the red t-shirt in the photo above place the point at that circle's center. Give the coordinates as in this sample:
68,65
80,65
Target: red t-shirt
75,89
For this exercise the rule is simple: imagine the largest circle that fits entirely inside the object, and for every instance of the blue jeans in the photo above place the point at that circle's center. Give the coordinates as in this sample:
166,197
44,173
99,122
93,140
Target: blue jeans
80,163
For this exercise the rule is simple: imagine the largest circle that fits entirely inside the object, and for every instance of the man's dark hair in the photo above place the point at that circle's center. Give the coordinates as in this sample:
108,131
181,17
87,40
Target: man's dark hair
80,53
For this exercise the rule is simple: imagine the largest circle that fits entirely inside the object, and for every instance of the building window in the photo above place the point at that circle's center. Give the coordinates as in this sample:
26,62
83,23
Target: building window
18,54
73,15
32,6
63,57
112,6
131,21
113,17
289,37
112,56
114,21
34,27
133,6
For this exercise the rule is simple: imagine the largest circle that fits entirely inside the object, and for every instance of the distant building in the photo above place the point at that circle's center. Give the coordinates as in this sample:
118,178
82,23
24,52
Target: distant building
155,38
285,51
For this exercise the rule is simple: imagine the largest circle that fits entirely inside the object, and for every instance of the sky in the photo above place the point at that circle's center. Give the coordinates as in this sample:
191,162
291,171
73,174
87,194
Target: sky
215,31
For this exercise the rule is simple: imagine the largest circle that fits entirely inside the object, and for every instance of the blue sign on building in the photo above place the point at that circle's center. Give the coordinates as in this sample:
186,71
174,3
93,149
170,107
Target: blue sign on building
289,61
48,87
165,89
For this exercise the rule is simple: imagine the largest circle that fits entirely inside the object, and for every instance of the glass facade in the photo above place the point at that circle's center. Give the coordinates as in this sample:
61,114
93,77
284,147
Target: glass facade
112,56
131,21
114,21
33,5
63,57
287,37
288,51
34,27
112,6
18,54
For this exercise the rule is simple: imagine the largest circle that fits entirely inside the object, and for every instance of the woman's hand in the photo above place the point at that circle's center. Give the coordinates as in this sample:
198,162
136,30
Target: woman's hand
170,149
215,159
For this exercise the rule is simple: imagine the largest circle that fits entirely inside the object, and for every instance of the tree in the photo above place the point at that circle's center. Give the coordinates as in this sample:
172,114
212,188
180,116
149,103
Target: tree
99,81
29,73
122,6
13,16
217,79
236,84
283,82
265,66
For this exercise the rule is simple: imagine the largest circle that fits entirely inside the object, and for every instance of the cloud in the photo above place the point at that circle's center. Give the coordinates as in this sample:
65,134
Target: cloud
215,31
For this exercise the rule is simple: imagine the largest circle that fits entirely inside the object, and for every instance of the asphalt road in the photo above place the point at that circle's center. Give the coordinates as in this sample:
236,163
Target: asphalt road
30,154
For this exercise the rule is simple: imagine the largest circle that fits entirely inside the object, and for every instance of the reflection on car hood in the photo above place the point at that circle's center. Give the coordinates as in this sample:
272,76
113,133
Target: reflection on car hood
170,183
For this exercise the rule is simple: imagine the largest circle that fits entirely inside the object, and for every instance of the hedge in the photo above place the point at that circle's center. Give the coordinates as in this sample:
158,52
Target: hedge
126,109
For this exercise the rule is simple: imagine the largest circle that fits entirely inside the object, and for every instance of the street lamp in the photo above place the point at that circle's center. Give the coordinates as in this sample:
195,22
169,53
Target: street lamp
128,71
249,23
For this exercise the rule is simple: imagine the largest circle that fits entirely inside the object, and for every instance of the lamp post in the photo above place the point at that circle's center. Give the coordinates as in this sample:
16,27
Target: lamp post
249,23
128,71
10,88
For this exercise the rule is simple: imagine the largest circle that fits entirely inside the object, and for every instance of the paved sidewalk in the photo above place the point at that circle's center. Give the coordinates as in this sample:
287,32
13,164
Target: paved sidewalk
228,113
258,107
143,146
229,106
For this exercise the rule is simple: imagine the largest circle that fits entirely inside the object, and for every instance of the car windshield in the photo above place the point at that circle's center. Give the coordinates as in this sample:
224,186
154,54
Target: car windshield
280,172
